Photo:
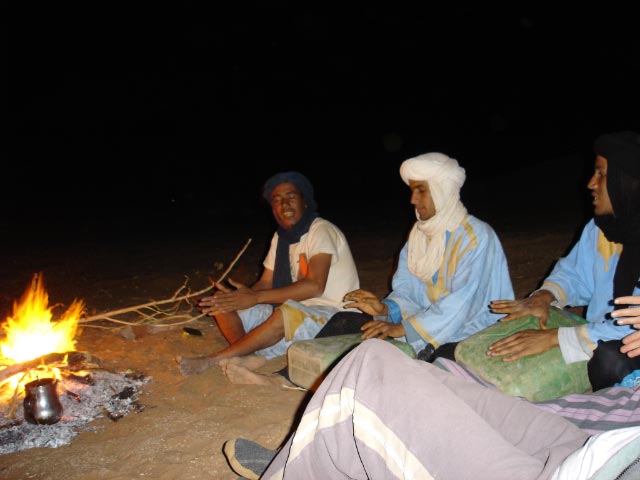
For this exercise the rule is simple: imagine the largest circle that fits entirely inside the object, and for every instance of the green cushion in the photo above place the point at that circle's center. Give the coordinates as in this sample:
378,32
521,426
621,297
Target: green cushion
537,377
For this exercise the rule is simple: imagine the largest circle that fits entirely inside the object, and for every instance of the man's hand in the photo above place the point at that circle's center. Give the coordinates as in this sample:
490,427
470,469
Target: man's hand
536,305
629,316
381,329
524,343
226,300
366,302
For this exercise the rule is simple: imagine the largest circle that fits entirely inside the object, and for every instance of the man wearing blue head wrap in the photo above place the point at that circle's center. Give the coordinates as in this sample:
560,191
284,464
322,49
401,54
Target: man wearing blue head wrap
307,271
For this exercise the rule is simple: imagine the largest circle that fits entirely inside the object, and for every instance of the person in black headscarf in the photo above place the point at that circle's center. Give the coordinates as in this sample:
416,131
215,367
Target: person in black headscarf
307,271
603,265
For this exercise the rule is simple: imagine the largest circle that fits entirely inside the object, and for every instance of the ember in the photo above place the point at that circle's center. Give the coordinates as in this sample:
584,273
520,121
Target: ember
103,395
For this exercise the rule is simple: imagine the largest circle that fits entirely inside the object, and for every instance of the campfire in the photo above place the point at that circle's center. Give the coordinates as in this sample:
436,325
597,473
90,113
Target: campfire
45,381
30,334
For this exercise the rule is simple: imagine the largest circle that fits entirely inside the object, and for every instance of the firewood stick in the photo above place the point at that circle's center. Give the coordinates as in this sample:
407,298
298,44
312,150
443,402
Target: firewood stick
112,313
11,370
77,360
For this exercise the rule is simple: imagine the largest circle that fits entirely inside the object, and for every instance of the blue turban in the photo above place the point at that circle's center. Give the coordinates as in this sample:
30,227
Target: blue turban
296,178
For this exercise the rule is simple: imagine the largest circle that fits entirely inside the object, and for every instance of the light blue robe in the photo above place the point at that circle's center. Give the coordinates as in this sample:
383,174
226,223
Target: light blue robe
585,277
454,303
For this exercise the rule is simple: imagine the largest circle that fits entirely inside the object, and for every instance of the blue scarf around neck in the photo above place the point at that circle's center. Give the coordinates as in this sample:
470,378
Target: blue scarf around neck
287,237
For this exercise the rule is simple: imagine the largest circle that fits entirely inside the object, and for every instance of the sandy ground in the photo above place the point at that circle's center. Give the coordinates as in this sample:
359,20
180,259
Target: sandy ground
180,433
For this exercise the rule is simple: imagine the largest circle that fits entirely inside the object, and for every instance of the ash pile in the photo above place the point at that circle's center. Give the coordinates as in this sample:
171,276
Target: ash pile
98,394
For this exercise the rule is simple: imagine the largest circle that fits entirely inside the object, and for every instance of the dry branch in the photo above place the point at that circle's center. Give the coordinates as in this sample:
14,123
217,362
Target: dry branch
152,312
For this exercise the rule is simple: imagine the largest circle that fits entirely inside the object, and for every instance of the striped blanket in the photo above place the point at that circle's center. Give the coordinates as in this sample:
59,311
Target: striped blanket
606,409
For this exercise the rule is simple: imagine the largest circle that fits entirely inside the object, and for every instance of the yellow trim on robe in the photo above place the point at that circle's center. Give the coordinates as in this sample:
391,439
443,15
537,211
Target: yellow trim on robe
449,263
607,249
293,318
583,337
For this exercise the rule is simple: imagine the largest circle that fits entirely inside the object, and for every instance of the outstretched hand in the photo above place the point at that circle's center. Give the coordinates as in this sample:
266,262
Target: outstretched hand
536,305
366,302
227,300
629,316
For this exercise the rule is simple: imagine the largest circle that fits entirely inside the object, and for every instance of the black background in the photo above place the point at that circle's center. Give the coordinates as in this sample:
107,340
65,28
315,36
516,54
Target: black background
179,115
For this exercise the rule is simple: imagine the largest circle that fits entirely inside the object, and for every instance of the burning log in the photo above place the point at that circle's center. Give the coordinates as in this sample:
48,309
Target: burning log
73,361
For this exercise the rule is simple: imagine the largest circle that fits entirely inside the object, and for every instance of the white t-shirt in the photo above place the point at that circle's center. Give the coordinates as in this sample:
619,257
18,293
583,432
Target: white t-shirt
322,237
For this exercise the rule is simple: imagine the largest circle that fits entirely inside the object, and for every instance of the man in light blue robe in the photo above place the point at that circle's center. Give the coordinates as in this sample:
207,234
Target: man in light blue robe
603,265
449,270
585,277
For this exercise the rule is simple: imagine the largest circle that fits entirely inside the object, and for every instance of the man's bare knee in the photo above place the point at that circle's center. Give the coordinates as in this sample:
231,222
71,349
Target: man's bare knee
275,324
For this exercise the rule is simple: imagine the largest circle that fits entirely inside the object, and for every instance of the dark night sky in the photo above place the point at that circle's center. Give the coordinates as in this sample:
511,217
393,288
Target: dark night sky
191,110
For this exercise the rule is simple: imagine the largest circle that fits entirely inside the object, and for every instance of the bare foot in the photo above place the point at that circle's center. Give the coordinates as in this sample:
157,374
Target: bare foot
252,362
191,366
243,376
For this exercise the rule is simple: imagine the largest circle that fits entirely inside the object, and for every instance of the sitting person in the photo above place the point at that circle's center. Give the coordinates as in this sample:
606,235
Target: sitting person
307,271
448,271
444,427
604,264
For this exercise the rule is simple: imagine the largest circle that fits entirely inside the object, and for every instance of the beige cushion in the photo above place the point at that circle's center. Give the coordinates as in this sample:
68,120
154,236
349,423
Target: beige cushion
310,360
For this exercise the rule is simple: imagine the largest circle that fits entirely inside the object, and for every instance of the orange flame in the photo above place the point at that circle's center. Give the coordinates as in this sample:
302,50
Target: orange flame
30,333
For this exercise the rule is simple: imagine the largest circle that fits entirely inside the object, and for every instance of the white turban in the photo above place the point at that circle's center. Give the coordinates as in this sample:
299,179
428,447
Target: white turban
427,240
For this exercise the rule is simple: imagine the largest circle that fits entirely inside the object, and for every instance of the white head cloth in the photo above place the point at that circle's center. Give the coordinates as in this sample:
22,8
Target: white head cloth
427,239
